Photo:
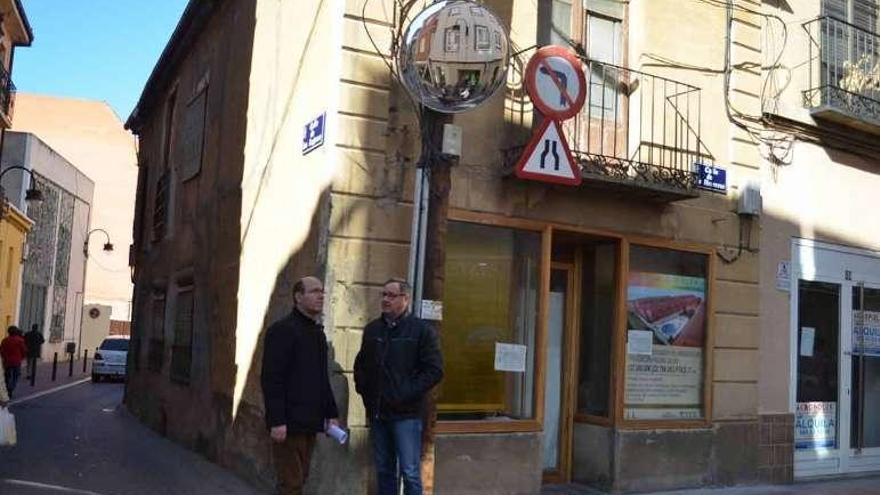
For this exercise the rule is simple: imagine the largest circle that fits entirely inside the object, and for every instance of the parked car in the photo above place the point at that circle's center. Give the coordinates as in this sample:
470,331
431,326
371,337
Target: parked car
110,359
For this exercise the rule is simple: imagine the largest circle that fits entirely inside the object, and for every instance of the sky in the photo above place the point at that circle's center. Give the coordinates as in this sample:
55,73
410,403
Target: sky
94,49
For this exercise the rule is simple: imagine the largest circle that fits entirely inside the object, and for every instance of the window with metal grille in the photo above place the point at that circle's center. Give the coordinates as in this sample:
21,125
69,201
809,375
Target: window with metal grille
160,207
156,347
181,351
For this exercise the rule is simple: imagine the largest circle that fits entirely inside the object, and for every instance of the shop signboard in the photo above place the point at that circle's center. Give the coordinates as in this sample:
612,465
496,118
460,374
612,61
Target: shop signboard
667,382
866,333
815,425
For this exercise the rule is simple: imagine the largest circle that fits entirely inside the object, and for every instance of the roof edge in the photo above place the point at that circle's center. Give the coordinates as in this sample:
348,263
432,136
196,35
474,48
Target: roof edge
194,18
24,21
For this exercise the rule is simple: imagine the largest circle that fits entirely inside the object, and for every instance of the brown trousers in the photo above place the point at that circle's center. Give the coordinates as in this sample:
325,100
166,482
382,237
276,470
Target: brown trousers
292,458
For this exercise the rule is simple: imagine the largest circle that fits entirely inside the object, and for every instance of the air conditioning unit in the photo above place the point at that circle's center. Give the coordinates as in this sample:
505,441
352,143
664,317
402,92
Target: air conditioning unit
750,202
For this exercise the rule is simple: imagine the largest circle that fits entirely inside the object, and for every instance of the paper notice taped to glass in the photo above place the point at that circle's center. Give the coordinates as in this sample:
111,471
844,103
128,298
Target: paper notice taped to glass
510,357
640,342
432,310
808,339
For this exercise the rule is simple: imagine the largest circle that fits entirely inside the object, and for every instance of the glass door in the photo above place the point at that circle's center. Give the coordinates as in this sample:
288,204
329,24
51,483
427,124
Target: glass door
557,420
864,424
818,398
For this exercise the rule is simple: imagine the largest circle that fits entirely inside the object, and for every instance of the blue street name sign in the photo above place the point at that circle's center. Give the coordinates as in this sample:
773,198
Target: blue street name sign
711,178
313,134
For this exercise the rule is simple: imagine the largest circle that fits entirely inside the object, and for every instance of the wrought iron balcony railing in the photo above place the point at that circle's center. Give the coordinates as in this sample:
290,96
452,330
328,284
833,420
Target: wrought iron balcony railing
637,132
7,93
844,72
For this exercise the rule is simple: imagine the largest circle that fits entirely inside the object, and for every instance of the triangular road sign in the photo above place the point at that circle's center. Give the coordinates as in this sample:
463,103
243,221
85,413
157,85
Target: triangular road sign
547,157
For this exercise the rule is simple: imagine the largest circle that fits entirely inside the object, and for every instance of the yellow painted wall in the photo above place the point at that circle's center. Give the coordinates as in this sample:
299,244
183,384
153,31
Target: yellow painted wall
14,226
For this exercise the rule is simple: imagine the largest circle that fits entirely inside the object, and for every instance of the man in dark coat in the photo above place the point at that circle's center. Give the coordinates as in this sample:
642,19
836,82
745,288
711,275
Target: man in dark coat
398,364
296,386
34,340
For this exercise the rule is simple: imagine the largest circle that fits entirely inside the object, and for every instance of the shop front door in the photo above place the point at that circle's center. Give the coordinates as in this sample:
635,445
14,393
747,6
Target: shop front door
837,330
556,442
864,378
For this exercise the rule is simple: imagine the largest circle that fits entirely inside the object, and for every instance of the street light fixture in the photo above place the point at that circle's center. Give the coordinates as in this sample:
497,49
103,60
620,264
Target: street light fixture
108,246
32,195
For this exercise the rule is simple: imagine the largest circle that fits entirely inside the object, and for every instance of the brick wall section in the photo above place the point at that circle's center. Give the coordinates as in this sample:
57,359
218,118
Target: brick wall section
118,327
776,448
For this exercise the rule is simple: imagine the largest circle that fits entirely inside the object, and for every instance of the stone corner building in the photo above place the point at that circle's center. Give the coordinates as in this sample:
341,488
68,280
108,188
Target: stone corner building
670,341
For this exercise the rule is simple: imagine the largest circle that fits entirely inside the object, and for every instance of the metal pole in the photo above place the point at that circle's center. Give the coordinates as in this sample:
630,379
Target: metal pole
85,359
69,364
54,366
417,237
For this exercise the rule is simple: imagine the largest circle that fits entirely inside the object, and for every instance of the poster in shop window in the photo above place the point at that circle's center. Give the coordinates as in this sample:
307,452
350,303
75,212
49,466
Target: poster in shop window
668,383
866,333
815,425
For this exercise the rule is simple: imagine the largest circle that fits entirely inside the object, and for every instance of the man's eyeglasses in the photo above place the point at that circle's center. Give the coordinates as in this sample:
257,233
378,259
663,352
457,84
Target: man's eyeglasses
391,295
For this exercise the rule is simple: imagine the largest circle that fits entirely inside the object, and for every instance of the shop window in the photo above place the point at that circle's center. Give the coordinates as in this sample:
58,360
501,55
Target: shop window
489,323
666,305
598,303
181,351
156,347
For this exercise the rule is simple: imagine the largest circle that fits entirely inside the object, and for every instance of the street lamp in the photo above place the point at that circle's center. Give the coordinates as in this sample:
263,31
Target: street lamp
32,195
108,246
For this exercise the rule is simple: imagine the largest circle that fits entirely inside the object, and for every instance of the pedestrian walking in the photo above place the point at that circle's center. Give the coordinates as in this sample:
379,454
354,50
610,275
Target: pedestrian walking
34,340
13,351
398,364
296,386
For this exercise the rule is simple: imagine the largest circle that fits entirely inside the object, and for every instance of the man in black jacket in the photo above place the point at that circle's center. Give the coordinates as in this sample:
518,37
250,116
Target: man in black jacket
34,340
296,386
399,362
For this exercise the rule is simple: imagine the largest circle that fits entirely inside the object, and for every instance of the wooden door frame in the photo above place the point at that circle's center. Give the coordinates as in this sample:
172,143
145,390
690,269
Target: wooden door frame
569,361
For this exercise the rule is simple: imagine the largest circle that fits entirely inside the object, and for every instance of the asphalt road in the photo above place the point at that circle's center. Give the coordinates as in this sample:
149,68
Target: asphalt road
80,440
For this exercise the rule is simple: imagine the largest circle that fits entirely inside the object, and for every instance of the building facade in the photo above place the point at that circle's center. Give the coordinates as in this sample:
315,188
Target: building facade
53,261
14,227
820,260
661,341
100,147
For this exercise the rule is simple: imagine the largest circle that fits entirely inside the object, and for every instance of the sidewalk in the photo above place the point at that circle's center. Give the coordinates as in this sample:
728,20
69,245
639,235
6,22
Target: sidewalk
43,380
852,486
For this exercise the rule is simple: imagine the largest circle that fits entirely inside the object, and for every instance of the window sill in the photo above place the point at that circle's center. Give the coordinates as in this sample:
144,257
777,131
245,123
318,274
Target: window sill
514,426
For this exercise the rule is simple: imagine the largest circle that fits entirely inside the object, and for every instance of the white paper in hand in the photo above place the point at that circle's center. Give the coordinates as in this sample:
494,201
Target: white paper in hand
337,434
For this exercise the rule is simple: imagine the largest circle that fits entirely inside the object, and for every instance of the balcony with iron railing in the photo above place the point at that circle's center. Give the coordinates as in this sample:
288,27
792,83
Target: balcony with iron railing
844,73
7,95
637,133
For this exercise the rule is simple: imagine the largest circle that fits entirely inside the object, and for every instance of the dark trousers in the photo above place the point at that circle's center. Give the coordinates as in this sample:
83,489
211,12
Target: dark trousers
11,374
292,458
397,452
31,366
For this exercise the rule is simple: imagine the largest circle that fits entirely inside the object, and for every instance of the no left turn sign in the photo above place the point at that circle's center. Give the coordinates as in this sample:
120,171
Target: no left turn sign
556,83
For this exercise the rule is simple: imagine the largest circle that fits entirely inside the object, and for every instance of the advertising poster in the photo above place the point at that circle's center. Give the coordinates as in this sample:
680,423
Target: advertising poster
866,333
666,384
815,425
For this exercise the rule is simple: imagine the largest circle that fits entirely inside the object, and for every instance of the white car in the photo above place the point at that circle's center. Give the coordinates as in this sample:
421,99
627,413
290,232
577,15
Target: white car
110,359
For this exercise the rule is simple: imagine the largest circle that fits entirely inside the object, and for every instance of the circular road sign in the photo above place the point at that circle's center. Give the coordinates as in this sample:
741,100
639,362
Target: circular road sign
555,81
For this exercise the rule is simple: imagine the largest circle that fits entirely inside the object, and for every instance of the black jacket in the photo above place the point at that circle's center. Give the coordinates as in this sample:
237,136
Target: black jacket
295,380
34,340
396,366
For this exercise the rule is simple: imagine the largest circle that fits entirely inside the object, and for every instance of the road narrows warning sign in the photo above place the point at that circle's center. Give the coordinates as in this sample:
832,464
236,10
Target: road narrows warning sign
548,158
